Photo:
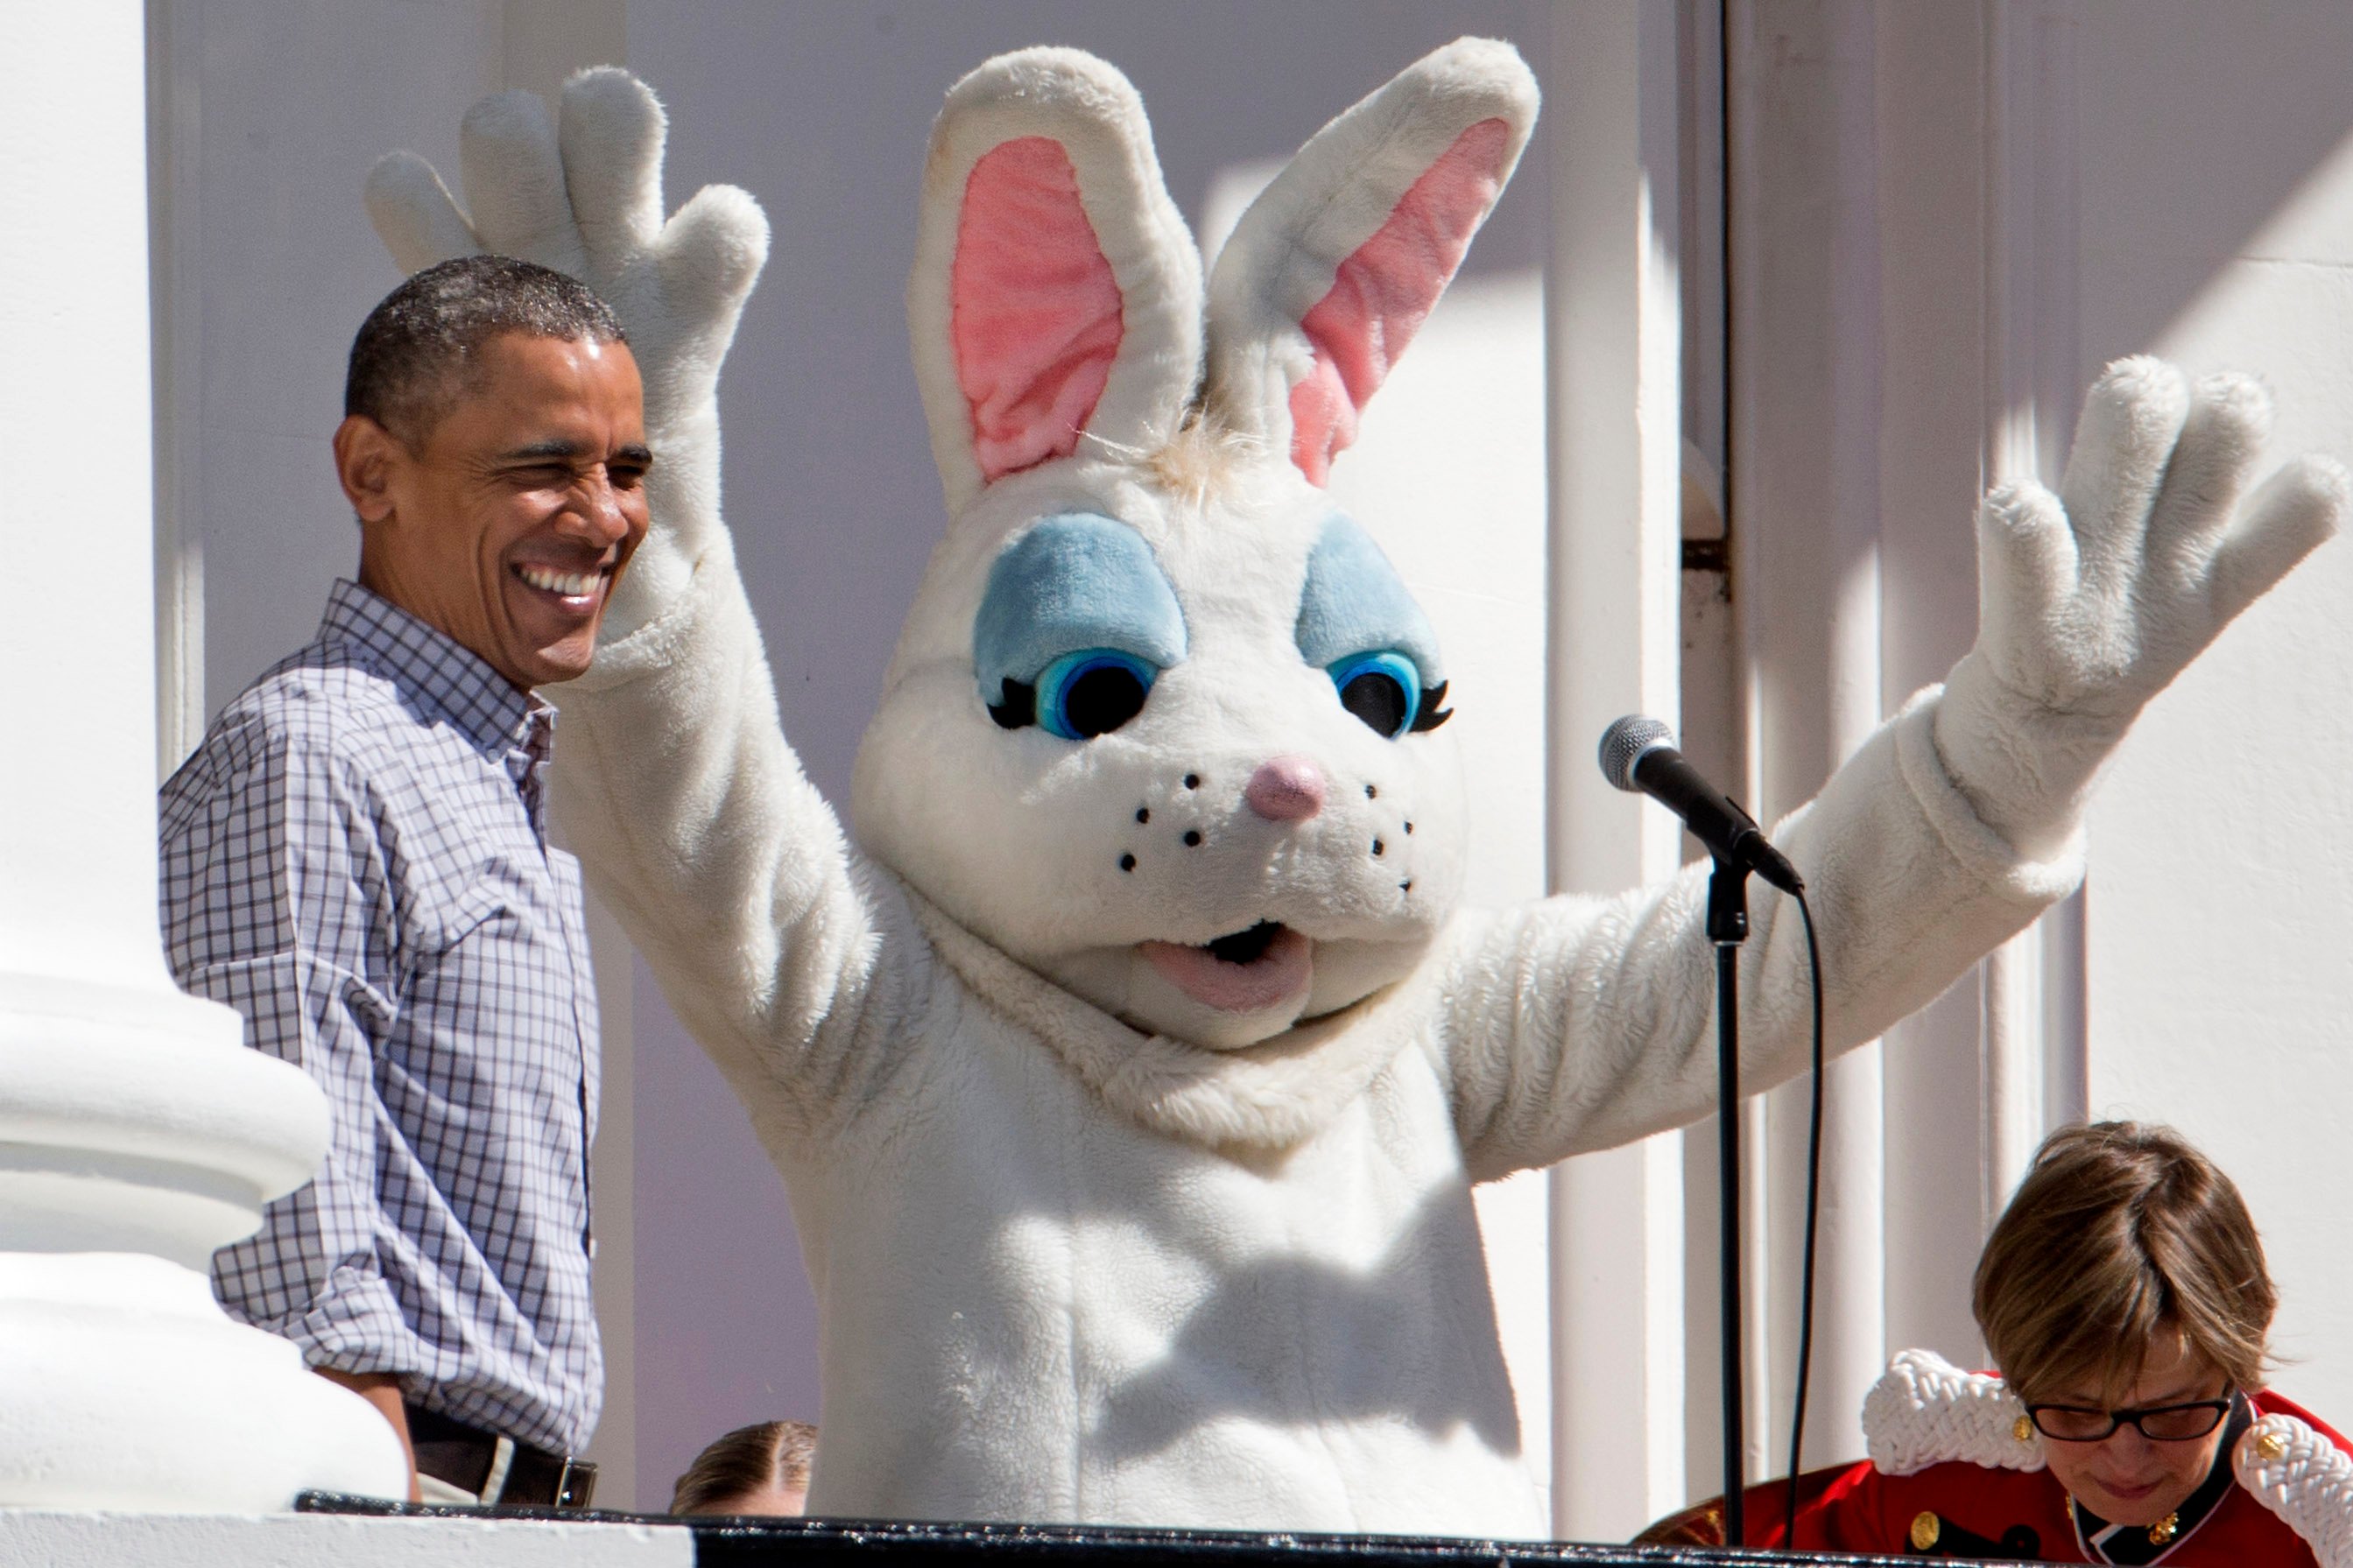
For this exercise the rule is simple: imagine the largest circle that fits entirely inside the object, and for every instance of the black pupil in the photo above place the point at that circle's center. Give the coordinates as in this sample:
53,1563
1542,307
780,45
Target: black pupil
1377,700
1101,700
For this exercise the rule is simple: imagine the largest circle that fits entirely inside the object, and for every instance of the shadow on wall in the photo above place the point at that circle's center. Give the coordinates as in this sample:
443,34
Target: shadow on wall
2256,91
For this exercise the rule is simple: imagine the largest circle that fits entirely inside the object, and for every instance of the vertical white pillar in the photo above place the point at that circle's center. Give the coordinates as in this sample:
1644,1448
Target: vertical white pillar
137,1134
1930,156
1614,310
1902,263
2034,991
1805,503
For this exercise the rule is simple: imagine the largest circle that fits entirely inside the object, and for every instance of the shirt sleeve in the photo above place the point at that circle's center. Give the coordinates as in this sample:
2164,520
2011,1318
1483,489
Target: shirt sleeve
279,901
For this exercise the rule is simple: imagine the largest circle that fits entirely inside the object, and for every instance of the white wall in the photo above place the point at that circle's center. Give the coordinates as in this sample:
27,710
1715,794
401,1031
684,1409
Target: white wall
2218,230
276,265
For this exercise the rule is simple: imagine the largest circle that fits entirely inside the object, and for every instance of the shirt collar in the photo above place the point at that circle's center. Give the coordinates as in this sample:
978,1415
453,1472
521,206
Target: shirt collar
451,678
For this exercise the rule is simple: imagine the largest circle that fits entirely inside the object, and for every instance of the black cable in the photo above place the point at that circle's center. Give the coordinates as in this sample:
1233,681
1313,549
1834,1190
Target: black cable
1813,1213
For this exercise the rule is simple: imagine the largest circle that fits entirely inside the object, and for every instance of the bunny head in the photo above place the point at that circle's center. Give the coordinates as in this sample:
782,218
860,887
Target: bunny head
1163,724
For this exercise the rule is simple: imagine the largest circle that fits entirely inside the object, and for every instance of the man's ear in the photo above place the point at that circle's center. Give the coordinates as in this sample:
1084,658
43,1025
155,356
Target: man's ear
367,457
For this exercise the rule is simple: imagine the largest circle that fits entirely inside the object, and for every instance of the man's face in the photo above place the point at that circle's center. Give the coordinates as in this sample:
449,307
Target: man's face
509,521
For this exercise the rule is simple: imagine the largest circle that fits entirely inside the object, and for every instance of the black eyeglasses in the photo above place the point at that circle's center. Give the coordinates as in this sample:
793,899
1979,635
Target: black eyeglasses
2158,1422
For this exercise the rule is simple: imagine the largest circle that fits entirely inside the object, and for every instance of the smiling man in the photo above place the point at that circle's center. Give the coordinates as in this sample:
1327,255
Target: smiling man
356,860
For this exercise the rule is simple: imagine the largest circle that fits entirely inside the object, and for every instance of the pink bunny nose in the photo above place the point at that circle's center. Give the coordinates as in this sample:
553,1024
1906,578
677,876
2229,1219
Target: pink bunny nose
1286,789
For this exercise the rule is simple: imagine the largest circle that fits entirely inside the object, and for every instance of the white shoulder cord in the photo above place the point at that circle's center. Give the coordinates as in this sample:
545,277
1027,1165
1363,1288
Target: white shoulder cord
2306,1479
1925,1411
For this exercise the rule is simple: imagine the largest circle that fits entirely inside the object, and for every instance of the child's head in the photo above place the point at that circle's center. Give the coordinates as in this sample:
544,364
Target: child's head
2125,1280
759,1469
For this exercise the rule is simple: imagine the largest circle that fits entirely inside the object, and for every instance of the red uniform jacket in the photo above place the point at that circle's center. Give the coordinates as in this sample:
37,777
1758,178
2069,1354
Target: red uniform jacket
1865,1511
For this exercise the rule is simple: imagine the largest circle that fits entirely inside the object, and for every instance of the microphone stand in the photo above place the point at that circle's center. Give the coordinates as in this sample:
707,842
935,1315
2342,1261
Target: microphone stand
1728,927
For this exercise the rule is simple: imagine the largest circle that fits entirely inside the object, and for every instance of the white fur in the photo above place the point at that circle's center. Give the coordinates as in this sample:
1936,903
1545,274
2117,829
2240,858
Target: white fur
1097,117
1925,1411
1329,200
1082,1254
2091,600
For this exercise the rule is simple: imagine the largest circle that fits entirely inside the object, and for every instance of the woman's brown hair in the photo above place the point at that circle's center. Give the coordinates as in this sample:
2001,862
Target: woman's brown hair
748,1459
2121,1233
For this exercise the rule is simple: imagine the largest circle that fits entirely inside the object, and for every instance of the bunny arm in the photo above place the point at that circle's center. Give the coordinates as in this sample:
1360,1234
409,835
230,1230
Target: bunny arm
787,956
1580,1024
673,778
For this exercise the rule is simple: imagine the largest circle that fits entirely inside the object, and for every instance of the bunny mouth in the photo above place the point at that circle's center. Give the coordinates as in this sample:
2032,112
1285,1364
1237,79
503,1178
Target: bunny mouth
1244,972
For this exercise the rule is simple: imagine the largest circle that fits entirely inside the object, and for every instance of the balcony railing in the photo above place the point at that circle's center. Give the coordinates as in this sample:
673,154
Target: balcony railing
903,1543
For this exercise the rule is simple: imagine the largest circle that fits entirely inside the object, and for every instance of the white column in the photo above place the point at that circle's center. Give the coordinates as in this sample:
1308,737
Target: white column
1902,259
2034,1032
1616,611
137,1134
1935,318
1805,395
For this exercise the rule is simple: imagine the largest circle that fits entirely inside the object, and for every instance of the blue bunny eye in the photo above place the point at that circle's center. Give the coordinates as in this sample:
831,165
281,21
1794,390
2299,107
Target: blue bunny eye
1092,692
1359,624
1381,689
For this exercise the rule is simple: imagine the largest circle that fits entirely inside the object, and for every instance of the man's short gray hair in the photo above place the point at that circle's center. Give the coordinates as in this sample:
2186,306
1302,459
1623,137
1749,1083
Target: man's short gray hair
420,350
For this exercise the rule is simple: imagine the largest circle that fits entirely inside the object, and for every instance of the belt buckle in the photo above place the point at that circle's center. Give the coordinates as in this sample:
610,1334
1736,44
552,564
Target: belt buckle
575,1483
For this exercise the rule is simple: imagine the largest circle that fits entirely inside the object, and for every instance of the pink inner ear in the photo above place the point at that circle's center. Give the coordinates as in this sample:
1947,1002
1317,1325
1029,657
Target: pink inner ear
1035,321
1386,287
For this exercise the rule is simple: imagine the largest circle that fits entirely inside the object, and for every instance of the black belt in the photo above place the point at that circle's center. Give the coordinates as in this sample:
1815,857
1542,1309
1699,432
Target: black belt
497,1470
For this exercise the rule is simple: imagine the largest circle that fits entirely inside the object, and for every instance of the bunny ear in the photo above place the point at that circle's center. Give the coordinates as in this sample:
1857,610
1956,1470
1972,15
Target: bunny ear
1057,290
1332,270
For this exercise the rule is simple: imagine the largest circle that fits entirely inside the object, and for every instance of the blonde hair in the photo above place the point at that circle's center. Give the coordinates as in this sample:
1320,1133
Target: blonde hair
2119,1235
748,1459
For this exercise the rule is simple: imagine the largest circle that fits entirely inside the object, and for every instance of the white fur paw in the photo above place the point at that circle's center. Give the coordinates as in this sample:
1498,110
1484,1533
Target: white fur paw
2303,1478
1925,1411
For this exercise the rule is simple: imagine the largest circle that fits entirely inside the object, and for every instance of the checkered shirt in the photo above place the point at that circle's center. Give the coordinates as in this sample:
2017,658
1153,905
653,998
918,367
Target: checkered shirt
355,861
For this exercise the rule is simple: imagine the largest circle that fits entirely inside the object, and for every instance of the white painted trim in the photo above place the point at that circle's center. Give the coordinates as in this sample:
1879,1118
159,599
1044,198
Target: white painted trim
2034,1017
91,1540
1865,143
1615,382
1804,398
174,163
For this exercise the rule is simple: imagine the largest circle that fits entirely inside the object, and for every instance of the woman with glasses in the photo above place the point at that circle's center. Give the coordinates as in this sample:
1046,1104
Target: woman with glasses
2125,1298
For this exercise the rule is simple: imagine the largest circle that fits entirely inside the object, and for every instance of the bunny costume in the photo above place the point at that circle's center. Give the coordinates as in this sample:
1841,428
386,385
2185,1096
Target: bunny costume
1131,1069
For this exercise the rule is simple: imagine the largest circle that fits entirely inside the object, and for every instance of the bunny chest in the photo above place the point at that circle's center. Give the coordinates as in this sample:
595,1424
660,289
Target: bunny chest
1037,1307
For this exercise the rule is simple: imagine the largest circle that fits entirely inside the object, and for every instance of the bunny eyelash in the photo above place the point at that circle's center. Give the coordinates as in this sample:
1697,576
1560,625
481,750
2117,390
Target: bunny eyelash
1432,713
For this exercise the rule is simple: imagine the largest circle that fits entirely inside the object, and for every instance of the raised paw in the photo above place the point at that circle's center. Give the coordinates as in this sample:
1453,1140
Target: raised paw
581,192
2093,600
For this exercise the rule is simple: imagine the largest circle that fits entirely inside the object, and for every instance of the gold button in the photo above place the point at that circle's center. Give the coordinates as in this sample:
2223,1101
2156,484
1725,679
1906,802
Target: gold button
2023,1428
1926,1528
2271,1446
2165,1529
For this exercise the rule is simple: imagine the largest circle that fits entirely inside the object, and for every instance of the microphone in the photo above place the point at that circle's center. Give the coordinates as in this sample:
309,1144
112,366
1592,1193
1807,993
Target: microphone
1639,756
